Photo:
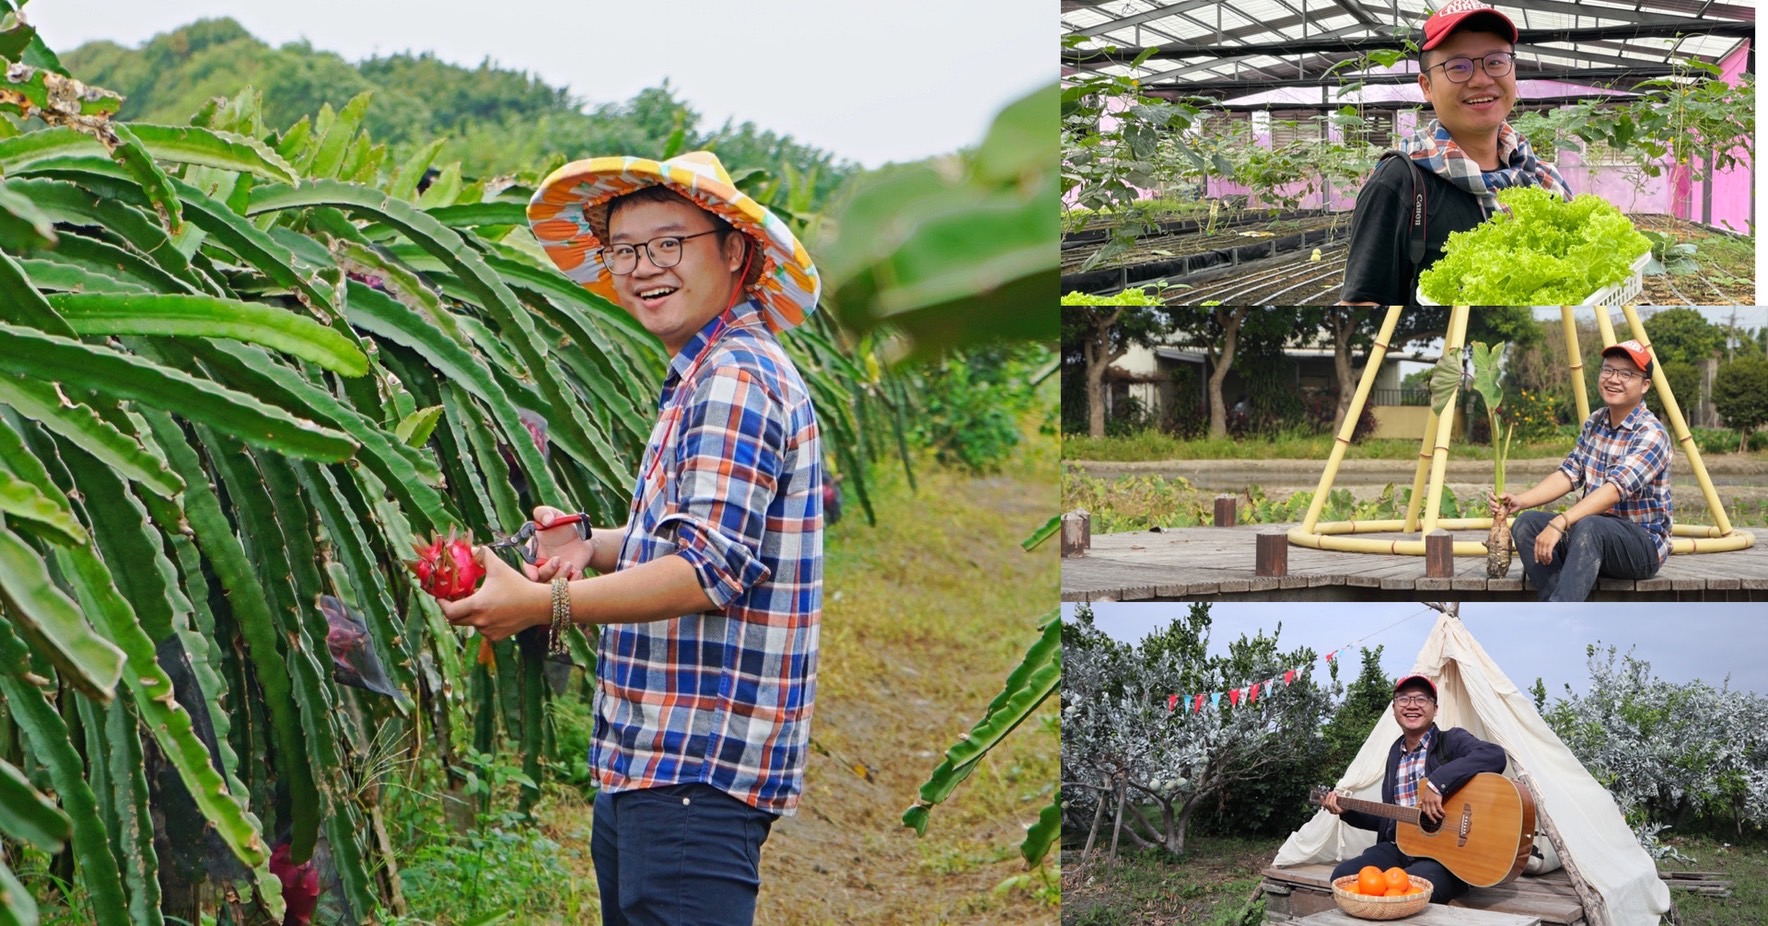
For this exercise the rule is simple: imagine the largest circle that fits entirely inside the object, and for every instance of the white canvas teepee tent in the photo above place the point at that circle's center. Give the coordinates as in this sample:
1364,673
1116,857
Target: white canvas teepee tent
1615,879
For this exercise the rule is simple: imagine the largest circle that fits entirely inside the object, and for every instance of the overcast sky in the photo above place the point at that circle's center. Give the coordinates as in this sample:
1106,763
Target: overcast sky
1682,642
870,82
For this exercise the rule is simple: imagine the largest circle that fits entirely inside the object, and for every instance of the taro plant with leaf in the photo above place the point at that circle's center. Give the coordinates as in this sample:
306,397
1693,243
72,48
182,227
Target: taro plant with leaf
1478,368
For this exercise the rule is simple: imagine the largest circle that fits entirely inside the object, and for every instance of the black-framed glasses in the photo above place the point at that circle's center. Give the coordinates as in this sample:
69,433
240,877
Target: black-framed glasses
664,252
1460,70
1625,376
1409,700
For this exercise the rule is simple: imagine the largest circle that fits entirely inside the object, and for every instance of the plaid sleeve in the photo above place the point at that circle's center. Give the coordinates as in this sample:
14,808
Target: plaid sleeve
1648,452
728,461
1577,463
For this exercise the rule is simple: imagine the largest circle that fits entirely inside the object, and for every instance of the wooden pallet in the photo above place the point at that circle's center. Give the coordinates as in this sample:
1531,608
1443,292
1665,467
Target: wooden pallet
1187,564
1432,915
1294,894
1710,883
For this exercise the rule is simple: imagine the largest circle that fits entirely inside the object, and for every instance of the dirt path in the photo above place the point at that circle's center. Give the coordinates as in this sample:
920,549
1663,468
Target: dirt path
924,616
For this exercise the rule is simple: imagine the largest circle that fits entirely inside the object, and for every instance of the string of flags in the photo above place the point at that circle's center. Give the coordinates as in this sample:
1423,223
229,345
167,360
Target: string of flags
1248,694
1252,691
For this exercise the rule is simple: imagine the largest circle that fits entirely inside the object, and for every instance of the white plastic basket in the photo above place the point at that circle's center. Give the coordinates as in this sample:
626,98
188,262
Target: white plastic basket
1626,292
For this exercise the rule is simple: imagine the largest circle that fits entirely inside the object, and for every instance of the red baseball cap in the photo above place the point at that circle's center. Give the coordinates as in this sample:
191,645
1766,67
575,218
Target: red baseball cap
1634,351
1416,678
1454,13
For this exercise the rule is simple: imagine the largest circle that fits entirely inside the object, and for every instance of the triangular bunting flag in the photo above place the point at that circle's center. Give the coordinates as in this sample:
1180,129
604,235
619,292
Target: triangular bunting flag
1172,701
1289,677
1254,693
1198,707
1215,699
1234,697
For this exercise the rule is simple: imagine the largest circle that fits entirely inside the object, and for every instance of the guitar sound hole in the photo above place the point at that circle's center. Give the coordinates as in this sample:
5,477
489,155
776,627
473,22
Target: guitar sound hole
1428,825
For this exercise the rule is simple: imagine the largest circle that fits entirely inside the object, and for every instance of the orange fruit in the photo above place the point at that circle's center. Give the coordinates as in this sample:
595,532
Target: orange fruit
1371,881
1396,879
1394,892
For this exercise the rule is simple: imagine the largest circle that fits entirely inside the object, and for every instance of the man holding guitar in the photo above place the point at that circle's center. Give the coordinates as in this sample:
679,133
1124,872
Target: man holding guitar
1424,766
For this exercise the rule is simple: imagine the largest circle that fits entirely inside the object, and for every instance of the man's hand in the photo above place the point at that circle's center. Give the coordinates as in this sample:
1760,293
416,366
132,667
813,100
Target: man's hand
1503,504
1430,802
559,551
1546,541
504,604
1331,803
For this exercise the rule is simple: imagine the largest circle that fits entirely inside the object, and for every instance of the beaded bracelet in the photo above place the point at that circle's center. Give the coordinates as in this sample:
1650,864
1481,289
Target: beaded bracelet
561,613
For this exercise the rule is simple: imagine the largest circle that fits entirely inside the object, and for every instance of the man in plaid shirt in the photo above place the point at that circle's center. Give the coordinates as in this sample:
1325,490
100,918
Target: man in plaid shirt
1621,527
1425,766
711,593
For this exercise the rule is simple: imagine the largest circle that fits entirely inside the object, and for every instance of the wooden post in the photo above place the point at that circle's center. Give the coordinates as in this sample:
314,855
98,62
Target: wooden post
1273,555
1439,555
1077,533
1225,507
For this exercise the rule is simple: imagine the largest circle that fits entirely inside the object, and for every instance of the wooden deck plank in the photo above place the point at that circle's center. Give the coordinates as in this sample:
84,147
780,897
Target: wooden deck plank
1192,563
1547,899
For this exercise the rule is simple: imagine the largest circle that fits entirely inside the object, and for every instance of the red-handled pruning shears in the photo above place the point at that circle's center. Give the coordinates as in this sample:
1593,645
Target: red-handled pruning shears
526,541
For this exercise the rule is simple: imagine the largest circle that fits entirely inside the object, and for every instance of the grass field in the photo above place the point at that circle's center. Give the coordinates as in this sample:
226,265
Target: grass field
1214,884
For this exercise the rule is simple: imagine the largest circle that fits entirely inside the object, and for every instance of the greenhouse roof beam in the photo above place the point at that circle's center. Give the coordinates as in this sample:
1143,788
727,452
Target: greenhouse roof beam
1159,12
1657,28
1224,87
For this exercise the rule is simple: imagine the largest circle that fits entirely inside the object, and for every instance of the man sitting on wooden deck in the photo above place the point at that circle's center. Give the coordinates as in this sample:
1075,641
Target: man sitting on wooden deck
1622,461
1425,765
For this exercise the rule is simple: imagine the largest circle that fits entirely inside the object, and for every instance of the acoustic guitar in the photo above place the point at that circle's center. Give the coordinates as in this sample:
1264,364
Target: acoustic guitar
1484,838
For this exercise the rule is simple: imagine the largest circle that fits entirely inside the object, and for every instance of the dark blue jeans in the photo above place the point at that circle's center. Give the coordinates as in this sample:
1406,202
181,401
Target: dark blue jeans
1384,855
677,854
1600,545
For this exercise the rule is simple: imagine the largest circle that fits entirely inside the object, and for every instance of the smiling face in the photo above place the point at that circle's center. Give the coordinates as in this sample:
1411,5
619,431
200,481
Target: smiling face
1414,709
675,302
1479,106
1621,383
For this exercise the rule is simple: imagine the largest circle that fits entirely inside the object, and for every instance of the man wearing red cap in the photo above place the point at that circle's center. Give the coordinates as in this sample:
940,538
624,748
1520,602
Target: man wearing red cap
1621,527
1457,163
1426,765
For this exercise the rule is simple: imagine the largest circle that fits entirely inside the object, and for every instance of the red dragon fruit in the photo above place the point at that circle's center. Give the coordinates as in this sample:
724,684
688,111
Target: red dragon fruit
446,568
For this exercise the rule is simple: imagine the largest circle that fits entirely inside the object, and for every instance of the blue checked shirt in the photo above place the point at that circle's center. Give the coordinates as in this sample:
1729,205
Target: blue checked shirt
731,481
1635,457
1411,770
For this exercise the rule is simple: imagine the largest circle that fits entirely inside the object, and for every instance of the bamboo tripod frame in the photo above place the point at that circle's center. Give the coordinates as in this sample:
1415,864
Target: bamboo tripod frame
1433,459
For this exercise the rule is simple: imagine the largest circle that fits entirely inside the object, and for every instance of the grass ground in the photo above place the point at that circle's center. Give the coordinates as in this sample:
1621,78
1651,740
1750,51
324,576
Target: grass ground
1215,879
924,616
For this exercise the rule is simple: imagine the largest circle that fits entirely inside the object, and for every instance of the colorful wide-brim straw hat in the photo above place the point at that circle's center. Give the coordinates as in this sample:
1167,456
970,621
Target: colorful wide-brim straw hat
569,214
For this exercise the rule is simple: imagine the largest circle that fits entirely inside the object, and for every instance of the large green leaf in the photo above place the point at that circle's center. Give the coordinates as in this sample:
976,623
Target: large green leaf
81,366
1035,679
210,317
51,622
50,406
28,816
28,506
1446,379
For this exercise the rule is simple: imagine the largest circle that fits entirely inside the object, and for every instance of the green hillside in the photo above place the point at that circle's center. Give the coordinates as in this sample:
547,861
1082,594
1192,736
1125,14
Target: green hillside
497,120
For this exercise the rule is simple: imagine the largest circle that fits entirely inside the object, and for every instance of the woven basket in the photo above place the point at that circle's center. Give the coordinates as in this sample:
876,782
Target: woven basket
1380,908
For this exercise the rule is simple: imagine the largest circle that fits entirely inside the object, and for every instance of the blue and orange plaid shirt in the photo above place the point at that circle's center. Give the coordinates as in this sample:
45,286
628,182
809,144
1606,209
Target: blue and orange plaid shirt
1635,456
731,481
1410,771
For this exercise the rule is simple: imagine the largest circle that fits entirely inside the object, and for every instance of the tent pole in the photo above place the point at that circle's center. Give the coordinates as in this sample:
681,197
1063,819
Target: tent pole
1439,458
1571,347
1415,504
1377,354
1680,426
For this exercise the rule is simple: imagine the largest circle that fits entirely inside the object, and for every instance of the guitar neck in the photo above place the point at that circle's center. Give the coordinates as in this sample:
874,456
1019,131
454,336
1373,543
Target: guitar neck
1376,808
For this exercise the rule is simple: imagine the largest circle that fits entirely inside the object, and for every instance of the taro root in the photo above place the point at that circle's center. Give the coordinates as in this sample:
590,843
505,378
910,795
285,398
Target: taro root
446,568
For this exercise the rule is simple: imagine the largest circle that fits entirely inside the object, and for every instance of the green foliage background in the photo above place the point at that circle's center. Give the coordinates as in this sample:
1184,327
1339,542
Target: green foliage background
495,119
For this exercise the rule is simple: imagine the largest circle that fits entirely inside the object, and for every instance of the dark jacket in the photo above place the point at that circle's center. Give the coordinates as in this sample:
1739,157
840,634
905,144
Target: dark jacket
1456,756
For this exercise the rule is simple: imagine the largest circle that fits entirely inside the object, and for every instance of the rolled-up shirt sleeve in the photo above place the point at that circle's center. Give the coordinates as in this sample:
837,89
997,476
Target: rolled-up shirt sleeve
1578,461
727,462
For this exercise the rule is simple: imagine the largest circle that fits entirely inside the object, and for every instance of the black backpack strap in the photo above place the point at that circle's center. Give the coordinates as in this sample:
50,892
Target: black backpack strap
1415,217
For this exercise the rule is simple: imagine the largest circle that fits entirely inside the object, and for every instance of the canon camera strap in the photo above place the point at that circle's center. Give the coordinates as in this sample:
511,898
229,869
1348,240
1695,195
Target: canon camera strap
1415,218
